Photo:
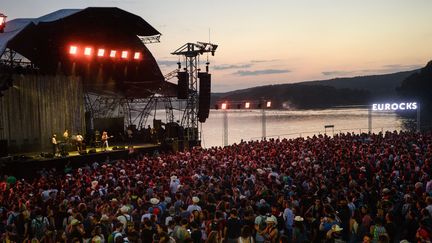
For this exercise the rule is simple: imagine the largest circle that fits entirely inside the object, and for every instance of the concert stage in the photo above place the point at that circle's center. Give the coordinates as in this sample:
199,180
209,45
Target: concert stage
24,165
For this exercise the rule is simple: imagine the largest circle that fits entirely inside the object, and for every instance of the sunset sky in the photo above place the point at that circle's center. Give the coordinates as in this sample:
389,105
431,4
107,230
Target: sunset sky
277,41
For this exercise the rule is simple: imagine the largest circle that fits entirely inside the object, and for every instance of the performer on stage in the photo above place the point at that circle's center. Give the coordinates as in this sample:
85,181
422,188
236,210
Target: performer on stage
104,140
79,142
66,136
54,144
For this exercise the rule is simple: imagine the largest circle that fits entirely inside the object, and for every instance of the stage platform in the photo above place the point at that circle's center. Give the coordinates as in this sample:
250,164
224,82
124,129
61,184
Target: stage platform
26,164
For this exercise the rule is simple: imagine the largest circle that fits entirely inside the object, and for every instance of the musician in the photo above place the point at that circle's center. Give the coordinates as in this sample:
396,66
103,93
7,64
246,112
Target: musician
54,144
79,142
104,140
66,136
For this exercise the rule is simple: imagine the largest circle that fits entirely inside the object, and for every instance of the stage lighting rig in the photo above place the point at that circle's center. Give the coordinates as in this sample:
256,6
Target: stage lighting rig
2,22
191,53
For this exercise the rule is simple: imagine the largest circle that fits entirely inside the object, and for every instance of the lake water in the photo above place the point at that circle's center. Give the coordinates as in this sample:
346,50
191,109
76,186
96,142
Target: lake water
247,124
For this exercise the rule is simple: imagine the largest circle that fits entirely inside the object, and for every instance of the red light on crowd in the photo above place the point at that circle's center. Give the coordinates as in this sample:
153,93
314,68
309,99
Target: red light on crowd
101,52
73,50
268,104
224,106
87,51
124,54
137,55
247,105
113,53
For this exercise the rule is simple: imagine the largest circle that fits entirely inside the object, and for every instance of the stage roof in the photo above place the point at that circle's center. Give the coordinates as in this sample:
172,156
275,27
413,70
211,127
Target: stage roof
45,42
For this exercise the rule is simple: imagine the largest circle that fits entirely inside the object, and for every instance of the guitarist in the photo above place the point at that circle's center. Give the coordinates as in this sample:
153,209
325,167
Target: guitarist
104,140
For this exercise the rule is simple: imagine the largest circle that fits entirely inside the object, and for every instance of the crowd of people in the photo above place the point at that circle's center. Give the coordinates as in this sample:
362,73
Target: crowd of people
346,188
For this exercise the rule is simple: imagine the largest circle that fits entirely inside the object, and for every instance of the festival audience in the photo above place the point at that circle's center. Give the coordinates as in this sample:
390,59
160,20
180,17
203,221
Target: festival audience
346,188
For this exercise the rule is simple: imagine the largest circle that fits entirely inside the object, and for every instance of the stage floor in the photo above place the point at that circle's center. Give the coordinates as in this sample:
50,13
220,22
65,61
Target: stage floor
89,151
25,164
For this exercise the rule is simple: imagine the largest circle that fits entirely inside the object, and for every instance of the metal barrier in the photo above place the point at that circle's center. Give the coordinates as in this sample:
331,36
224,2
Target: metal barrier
340,131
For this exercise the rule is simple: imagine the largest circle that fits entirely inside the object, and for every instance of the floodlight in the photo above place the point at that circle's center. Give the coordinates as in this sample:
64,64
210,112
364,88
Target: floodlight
247,105
137,55
124,54
101,52
113,53
268,104
87,51
224,106
2,22
73,50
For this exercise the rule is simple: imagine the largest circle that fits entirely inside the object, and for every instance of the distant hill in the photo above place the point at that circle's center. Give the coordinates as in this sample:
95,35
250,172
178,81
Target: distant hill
321,94
384,84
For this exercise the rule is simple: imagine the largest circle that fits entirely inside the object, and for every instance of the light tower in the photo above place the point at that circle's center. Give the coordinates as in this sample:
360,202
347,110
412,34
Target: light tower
191,53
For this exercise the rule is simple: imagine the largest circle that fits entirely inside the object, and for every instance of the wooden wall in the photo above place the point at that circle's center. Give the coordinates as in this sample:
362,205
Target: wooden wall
38,106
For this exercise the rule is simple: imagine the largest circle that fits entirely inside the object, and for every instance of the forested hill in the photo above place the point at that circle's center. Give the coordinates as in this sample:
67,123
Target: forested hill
321,94
384,84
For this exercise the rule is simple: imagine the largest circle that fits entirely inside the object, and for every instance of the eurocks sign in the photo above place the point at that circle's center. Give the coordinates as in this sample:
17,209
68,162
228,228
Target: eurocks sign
395,106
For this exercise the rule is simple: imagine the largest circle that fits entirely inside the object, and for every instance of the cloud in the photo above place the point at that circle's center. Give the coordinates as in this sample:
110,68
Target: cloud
233,66
261,72
167,63
401,66
391,68
336,73
260,61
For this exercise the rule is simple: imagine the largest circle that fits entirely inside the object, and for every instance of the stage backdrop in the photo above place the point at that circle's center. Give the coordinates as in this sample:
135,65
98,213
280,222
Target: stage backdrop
38,106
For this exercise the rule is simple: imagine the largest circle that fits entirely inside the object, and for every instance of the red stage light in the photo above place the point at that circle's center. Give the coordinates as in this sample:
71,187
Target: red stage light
101,52
137,55
124,54
73,50
2,20
247,105
87,51
113,53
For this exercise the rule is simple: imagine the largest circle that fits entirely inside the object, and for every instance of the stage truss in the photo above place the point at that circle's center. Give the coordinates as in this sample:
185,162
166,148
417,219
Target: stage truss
191,54
135,111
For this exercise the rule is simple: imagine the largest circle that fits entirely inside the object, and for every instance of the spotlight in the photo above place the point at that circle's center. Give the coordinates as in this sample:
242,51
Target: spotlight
124,54
137,55
113,53
73,50
87,51
101,52
224,106
2,22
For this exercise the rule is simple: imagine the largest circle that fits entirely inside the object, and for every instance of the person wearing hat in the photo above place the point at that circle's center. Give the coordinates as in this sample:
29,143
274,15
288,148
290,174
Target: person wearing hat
271,231
124,217
156,209
335,234
299,233
75,230
194,206
174,184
